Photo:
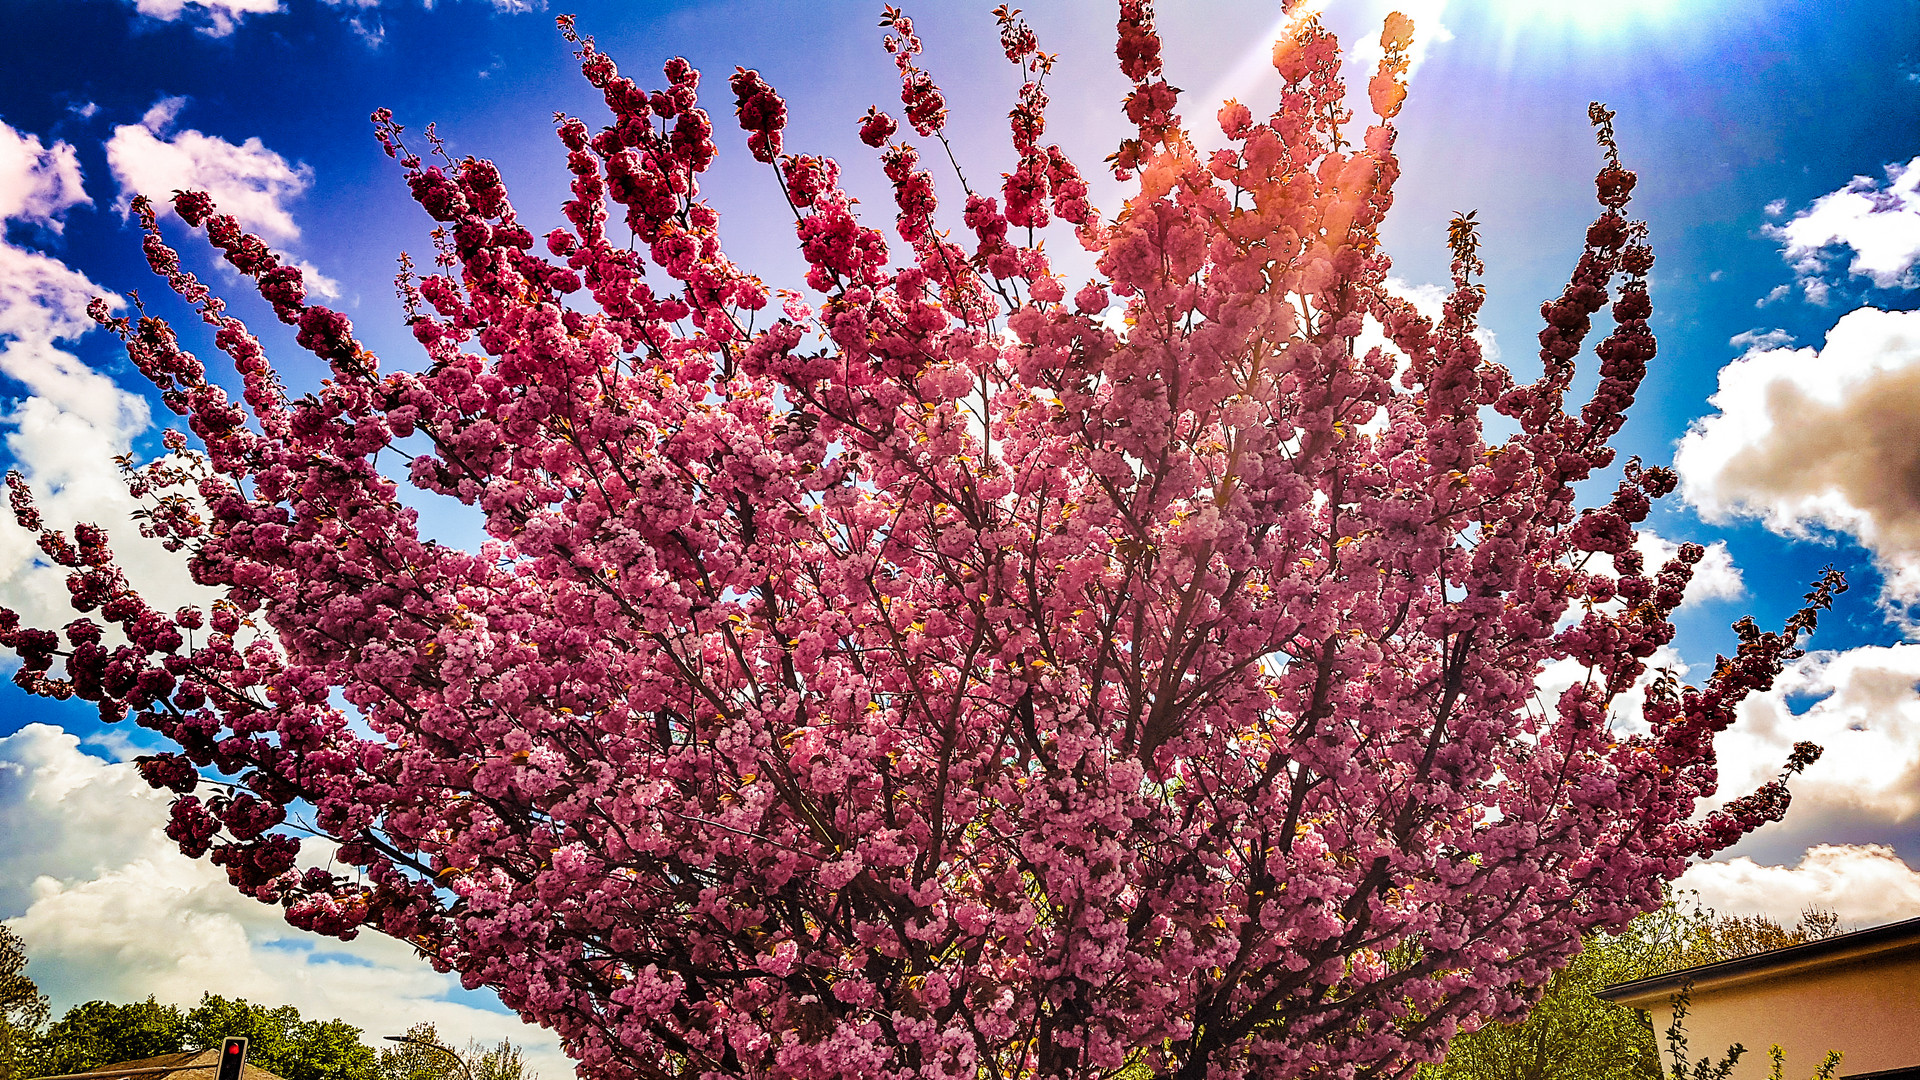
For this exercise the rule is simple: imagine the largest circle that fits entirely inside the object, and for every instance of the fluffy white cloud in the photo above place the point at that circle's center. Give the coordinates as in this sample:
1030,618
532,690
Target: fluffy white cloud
1757,340
37,183
108,908
1429,300
1861,706
51,795
43,301
317,283
1714,576
1864,712
247,180
1822,438
1866,885
221,16
1879,222
1625,718
72,419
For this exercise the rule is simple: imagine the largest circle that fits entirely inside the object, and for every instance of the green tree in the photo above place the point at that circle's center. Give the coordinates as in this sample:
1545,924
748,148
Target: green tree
23,1008
1570,1033
279,1041
1573,1035
500,1062
100,1033
332,1050
270,1033
420,1055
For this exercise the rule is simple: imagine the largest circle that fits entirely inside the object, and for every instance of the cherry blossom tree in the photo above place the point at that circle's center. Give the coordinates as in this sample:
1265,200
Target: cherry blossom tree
949,669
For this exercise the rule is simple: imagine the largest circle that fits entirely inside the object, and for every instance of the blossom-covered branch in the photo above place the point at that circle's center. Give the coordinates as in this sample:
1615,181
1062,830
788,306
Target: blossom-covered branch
950,670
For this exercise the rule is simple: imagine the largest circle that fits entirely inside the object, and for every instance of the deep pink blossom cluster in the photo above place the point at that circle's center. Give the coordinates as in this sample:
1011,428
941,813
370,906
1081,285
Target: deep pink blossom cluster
952,671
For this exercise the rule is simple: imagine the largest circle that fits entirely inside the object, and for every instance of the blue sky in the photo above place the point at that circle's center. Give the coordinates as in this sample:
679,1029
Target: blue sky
1772,138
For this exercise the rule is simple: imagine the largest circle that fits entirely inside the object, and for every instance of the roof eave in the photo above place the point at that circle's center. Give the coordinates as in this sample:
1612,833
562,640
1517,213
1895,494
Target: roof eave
1827,952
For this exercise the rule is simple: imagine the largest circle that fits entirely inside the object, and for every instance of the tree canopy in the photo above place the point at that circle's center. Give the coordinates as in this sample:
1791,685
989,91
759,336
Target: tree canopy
23,1008
279,1040
1573,1035
421,1055
96,1033
953,668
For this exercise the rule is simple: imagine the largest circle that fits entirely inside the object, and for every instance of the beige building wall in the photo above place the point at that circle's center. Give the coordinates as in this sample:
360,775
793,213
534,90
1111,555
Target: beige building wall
1869,1009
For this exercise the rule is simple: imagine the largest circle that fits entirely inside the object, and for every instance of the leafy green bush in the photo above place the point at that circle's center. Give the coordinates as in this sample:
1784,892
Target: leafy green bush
1573,1035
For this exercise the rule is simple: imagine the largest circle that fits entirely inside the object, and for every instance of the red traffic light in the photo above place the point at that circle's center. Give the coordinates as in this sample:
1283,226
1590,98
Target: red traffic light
233,1057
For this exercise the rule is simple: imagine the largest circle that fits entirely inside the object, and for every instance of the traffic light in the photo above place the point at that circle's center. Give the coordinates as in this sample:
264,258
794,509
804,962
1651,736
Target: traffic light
233,1055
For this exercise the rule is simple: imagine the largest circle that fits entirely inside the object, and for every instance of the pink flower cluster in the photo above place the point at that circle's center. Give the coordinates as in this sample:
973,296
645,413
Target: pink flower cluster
935,674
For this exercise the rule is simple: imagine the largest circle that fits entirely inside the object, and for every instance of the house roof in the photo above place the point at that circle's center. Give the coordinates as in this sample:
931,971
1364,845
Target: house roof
189,1065
1792,960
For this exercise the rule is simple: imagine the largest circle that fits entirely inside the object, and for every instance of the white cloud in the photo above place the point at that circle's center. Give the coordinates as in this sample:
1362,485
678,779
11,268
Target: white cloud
1625,718
68,461
247,180
1777,293
316,282
41,297
371,29
37,183
72,421
108,908
1880,222
52,796
1867,720
1866,885
1822,438
218,18
221,16
1431,300
42,300
1757,340
1861,706
1714,576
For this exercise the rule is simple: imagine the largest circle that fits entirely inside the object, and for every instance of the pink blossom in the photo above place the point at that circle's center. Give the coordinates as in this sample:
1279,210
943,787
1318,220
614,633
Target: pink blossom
927,677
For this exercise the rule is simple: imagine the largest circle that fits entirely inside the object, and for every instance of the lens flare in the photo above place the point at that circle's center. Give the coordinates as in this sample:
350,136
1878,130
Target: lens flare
1582,17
